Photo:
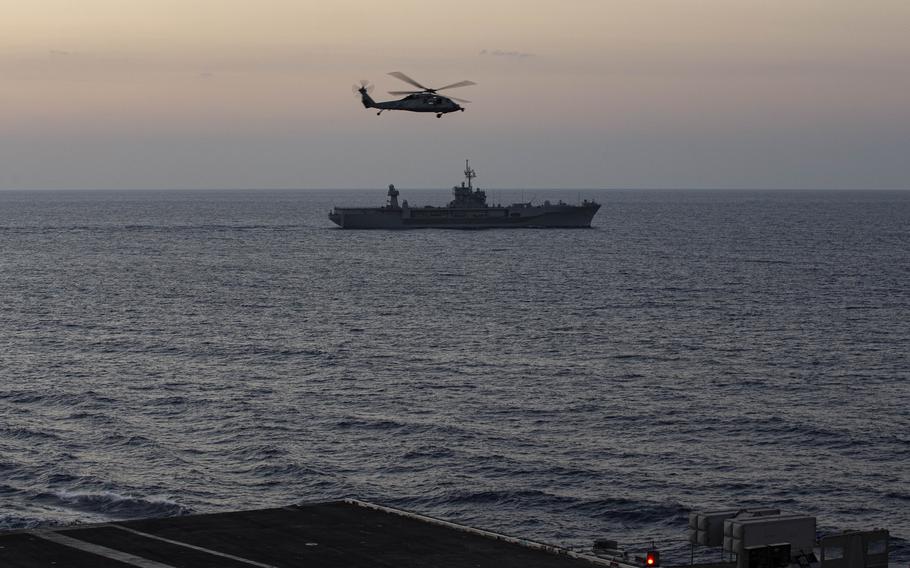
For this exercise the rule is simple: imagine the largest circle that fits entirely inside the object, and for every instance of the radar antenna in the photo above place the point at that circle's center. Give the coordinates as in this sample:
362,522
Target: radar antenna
469,174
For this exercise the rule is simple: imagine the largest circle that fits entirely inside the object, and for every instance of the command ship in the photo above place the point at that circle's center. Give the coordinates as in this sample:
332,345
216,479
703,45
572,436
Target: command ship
468,210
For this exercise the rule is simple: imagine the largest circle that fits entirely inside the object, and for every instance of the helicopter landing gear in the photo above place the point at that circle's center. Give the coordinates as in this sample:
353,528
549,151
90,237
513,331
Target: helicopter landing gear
380,112
439,115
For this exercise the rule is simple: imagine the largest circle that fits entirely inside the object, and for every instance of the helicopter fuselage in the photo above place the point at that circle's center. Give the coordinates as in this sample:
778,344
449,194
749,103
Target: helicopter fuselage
418,102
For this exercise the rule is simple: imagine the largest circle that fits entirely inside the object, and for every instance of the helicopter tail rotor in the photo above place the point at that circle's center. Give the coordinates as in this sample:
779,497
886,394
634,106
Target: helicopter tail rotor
365,87
363,91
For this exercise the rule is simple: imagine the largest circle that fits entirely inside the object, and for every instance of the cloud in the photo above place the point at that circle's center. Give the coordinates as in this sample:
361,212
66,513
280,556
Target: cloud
501,53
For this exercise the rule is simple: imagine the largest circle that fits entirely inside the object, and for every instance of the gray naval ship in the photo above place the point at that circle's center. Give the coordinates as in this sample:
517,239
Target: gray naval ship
468,210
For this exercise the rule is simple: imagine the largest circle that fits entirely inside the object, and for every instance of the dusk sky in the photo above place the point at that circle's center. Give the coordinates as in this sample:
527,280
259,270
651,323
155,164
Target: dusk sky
572,93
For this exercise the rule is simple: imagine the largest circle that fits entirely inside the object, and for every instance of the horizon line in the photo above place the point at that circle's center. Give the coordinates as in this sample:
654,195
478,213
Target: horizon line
378,189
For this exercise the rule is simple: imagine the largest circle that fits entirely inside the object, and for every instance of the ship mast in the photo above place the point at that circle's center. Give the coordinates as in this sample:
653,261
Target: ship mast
469,174
465,194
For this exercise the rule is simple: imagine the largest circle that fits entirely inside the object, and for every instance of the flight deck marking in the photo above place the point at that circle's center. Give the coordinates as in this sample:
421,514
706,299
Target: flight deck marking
99,550
194,547
488,534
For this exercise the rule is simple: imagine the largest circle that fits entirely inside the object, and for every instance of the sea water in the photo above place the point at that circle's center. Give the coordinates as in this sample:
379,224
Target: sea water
166,353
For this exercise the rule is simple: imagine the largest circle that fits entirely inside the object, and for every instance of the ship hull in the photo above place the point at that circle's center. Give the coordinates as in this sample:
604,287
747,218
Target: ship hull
556,216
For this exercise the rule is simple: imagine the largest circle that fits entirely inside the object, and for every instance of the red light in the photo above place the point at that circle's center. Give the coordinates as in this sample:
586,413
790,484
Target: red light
650,560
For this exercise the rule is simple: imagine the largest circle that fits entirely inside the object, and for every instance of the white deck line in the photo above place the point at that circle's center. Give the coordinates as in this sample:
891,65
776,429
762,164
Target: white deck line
194,547
99,550
488,534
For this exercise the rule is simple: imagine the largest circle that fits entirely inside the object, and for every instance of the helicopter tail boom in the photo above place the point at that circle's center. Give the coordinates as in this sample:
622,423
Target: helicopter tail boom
366,99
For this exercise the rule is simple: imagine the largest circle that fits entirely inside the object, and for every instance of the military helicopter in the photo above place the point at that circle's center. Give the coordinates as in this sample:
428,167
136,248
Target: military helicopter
425,100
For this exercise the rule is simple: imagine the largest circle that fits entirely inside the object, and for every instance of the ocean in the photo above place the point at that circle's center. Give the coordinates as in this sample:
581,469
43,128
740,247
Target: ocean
175,352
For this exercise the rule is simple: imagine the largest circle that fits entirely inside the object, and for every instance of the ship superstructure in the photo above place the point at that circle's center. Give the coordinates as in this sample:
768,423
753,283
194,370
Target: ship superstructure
467,210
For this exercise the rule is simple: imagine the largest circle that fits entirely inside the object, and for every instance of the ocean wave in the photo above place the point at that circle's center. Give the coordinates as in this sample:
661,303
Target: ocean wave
19,522
641,512
116,505
498,497
428,452
23,433
367,424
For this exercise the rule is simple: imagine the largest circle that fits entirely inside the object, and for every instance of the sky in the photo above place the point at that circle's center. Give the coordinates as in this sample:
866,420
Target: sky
130,94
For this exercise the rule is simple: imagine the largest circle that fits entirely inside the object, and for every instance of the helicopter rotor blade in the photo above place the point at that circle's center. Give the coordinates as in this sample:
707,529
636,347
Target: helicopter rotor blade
405,92
458,84
406,79
457,99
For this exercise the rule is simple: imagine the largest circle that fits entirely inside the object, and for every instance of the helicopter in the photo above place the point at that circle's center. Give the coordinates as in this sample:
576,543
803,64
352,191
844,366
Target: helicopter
425,100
